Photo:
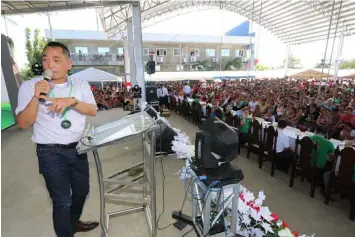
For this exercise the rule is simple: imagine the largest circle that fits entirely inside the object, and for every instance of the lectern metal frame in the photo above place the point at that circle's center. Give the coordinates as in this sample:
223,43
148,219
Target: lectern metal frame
147,181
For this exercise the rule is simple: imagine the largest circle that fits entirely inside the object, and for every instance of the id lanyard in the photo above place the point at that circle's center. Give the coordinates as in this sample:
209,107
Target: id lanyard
52,95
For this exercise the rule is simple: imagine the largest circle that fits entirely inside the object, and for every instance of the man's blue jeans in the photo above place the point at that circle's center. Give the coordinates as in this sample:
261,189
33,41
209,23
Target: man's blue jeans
67,179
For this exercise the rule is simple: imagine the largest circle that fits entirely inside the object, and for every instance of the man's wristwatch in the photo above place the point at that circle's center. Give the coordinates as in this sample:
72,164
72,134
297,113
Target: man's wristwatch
75,103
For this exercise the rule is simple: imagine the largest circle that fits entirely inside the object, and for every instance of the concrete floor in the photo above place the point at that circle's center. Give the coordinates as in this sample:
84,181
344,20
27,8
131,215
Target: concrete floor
26,207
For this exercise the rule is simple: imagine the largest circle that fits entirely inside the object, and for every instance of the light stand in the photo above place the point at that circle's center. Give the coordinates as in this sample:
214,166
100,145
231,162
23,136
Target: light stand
208,222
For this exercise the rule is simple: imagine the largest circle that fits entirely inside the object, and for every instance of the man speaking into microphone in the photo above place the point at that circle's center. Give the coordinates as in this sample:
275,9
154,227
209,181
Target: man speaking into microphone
57,108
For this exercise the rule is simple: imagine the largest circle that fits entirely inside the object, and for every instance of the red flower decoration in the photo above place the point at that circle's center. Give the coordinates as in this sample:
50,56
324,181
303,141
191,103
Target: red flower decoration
275,217
284,224
295,233
256,208
241,196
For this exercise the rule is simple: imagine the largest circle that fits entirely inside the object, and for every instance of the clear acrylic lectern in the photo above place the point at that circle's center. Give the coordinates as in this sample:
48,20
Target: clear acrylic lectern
125,129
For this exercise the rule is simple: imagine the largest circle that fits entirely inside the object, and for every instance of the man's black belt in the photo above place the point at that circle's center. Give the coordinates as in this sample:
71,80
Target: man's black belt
67,146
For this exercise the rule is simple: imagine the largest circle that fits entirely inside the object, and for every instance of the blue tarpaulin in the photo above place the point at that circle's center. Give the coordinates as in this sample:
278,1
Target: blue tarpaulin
240,30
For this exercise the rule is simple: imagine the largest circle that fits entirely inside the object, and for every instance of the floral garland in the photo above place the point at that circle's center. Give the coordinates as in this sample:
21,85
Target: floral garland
255,220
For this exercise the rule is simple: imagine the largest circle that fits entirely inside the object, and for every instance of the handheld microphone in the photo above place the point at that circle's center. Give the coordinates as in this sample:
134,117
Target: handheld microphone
47,75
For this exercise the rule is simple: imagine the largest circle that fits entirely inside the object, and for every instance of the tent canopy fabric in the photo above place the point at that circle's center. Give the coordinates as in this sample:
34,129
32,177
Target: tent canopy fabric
95,75
196,75
350,76
310,73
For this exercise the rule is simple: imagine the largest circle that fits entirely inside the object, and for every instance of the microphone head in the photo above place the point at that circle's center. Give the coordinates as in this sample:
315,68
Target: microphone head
48,74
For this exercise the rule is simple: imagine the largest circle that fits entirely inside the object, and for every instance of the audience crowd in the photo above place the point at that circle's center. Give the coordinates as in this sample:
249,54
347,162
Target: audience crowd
326,109
301,103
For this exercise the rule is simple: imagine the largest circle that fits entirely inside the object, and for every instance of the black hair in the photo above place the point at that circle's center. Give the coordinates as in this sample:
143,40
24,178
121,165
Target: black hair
321,130
282,124
56,44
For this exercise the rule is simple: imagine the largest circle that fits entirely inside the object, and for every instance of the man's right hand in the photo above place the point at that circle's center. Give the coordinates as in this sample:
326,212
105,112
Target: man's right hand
42,86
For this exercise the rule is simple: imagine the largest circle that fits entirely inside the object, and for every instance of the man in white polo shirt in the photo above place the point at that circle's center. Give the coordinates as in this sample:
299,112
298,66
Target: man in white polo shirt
284,154
58,124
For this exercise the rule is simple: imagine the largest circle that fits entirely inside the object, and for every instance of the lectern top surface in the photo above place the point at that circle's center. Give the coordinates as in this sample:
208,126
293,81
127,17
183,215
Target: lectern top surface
117,131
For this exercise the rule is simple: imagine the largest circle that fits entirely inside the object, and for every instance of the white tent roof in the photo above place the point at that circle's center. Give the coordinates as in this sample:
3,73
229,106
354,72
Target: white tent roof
210,75
193,75
95,75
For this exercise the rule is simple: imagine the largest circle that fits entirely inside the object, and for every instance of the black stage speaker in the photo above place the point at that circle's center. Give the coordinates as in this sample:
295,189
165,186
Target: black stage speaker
151,93
164,133
150,67
164,137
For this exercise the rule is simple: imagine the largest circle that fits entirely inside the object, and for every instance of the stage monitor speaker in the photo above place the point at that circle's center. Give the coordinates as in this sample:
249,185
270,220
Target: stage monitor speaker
151,93
151,67
164,137
164,133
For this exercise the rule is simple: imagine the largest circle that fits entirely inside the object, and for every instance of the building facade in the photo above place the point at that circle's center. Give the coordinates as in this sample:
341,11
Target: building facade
170,52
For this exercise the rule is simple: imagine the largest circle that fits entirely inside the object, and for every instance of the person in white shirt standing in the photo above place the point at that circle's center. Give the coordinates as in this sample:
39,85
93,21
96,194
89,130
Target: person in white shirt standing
58,125
163,95
284,154
252,104
187,90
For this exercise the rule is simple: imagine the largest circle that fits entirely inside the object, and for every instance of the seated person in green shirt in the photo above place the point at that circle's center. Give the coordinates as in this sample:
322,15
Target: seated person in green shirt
325,153
245,121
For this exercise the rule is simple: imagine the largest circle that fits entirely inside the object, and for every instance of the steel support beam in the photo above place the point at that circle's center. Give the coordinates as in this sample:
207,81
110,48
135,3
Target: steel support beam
50,26
288,49
338,57
64,7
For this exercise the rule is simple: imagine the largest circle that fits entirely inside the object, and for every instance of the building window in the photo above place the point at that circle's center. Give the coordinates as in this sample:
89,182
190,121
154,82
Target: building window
103,50
161,52
210,52
239,52
225,52
120,51
82,50
147,52
194,52
178,52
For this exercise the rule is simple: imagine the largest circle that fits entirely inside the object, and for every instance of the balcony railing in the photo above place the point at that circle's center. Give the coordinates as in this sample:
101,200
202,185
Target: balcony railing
97,59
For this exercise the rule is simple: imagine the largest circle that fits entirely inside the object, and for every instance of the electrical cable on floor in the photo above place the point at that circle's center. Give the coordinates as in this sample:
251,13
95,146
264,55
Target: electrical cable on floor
163,182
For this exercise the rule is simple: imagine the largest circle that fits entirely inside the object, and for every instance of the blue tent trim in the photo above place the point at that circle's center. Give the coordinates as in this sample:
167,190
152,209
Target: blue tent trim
240,30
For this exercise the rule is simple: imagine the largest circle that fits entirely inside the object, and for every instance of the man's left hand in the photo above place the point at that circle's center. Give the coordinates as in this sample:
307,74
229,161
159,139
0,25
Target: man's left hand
59,104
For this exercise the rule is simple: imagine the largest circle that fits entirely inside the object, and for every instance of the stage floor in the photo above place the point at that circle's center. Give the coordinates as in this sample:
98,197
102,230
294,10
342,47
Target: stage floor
26,207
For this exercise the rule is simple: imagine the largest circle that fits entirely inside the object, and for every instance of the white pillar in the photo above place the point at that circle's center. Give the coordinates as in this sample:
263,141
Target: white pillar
127,64
252,57
97,20
50,27
138,52
130,53
338,58
286,59
180,64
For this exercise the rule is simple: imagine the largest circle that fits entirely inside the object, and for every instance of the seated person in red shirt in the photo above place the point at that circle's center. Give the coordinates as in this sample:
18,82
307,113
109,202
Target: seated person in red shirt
348,117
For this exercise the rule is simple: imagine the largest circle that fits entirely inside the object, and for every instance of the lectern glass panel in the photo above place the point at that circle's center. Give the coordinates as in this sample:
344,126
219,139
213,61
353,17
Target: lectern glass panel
117,131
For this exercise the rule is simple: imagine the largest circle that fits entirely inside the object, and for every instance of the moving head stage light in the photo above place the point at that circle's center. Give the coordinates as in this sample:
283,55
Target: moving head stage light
37,69
137,92
216,145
